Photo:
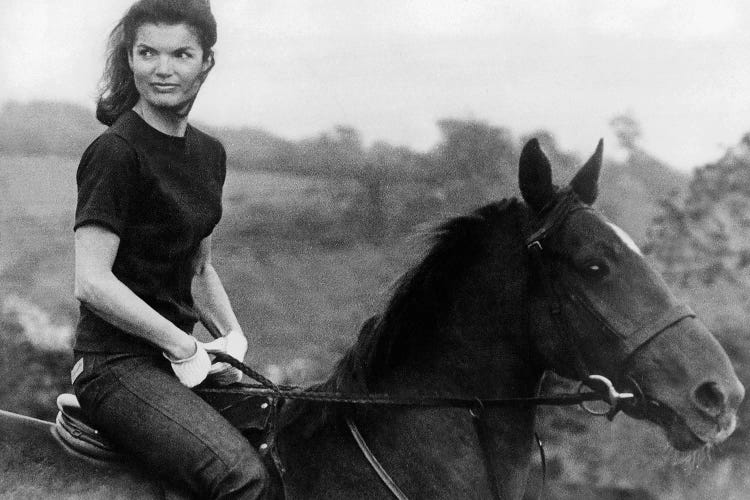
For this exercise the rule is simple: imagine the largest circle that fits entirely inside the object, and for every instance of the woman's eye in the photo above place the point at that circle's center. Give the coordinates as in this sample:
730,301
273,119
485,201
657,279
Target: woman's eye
145,53
184,55
596,270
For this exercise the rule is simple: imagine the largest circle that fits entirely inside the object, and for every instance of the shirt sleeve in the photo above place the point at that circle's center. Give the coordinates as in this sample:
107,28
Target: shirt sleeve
222,165
106,178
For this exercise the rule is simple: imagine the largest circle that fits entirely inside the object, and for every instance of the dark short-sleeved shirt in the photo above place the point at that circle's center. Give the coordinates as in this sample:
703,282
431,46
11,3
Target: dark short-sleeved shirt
161,195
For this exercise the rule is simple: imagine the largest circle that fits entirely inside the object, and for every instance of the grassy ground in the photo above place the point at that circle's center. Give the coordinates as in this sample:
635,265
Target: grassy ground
301,290
297,299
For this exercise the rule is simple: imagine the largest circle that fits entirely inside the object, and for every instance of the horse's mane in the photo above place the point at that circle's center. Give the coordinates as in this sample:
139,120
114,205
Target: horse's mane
384,339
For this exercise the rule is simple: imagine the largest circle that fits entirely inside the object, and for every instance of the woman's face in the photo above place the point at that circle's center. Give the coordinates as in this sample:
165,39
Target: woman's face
168,65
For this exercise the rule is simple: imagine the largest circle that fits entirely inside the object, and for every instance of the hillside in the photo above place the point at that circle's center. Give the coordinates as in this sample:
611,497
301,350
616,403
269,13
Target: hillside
314,233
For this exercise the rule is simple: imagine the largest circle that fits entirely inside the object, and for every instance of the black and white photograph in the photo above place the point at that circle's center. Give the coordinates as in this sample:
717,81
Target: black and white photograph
374,249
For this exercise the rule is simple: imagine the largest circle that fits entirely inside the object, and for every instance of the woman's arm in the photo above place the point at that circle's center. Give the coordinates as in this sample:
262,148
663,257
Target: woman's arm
209,296
216,314
100,290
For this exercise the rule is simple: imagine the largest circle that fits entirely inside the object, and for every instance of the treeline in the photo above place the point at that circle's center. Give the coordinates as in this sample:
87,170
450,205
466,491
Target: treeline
469,148
703,237
390,188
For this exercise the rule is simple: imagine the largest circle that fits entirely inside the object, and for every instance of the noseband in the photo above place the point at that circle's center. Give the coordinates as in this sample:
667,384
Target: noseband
554,218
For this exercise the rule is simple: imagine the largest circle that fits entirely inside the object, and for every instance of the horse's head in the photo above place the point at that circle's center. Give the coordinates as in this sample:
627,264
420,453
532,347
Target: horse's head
598,307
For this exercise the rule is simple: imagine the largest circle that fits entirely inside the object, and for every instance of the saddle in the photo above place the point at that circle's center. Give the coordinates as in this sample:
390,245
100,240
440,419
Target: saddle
249,414
73,429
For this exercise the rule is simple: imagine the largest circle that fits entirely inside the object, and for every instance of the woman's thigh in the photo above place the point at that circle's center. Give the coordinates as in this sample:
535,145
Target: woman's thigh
138,404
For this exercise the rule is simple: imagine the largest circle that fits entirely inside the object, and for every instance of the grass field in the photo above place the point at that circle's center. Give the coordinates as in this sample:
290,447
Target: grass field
297,300
302,303
45,186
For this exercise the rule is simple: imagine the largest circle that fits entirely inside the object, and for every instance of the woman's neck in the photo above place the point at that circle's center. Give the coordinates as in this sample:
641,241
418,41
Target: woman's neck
170,122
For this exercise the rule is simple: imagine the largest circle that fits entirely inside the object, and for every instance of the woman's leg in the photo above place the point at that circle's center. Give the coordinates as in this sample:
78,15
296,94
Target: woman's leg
141,406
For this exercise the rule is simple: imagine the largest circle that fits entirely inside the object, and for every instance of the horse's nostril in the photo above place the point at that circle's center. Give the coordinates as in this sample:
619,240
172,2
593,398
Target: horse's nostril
710,398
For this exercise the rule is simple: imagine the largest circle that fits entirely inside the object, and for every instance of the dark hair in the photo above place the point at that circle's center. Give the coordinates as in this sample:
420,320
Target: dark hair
117,92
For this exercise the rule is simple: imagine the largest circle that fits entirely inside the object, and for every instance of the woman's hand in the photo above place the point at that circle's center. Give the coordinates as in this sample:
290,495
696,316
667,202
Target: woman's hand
193,369
233,344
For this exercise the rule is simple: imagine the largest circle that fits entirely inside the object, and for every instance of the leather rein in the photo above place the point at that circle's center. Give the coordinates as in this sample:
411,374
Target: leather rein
602,389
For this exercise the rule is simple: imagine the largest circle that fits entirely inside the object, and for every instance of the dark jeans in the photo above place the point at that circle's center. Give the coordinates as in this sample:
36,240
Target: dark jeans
138,403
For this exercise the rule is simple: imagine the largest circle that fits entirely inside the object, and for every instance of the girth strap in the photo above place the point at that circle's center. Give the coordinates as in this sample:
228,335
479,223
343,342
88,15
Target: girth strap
391,484
381,472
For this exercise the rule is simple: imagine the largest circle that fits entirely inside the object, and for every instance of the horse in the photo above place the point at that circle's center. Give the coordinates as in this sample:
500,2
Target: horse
504,294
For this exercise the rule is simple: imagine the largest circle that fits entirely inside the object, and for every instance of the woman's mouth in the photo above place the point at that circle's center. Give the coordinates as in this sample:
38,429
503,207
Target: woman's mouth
164,87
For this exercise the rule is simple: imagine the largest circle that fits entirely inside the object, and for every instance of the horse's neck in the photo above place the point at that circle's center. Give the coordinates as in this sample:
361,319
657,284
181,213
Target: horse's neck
482,353
474,344
448,444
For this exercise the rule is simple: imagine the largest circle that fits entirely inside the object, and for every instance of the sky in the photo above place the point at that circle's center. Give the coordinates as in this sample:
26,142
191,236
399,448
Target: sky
393,68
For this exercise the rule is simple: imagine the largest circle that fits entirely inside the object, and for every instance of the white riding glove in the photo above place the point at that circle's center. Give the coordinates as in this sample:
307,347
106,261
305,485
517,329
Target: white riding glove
193,370
233,344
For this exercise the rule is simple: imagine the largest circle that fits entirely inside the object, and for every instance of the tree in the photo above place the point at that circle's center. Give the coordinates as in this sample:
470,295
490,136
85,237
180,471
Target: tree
706,235
472,149
627,130
472,164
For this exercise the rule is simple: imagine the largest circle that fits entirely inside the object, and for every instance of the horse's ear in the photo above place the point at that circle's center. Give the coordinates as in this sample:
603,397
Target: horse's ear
586,182
535,176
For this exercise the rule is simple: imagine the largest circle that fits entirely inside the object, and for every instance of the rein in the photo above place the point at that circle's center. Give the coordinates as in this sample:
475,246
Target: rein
555,217
276,392
476,406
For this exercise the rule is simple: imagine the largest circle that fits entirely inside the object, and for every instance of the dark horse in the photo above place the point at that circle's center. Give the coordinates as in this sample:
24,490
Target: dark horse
505,293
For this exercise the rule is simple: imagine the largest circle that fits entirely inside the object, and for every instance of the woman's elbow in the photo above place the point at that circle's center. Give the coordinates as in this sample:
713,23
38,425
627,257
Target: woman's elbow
81,289
87,287
201,270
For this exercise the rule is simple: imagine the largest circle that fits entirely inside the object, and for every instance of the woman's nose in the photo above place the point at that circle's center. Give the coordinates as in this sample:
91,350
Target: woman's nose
164,67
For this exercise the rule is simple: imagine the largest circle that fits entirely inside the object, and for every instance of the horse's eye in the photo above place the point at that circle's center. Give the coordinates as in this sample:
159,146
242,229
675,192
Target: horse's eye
595,269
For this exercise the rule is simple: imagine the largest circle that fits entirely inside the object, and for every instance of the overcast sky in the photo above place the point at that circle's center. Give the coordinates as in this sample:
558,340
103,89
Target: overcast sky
391,68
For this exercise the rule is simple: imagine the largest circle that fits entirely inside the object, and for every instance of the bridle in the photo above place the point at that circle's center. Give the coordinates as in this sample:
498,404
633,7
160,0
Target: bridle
552,219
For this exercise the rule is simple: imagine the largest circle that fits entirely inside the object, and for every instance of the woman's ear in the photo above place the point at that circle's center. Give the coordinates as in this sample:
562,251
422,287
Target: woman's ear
208,64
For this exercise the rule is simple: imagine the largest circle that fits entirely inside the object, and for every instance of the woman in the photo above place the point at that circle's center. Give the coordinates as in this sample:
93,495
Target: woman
149,197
